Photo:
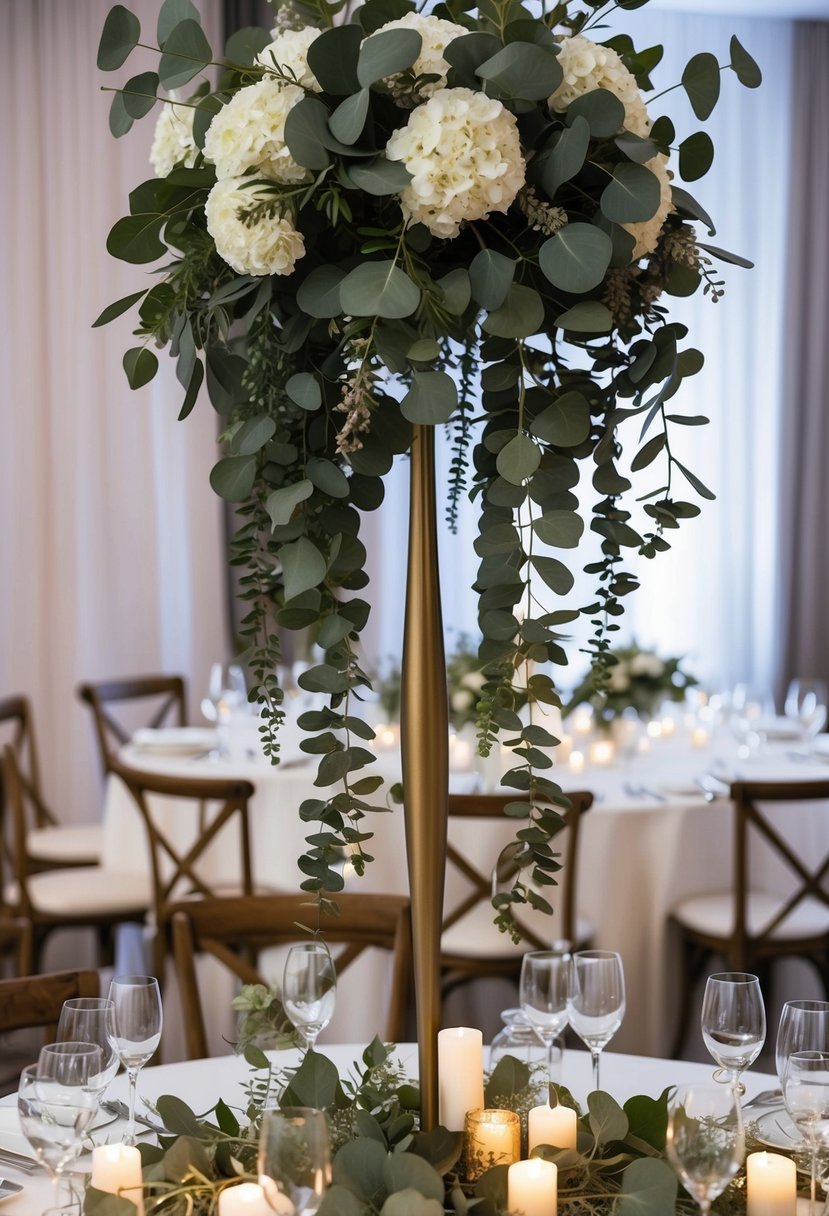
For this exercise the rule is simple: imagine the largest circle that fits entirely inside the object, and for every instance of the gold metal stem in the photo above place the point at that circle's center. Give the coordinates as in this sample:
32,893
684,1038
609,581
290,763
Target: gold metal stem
425,755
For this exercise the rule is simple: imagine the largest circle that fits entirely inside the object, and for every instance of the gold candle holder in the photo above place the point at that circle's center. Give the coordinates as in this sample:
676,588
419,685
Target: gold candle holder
491,1137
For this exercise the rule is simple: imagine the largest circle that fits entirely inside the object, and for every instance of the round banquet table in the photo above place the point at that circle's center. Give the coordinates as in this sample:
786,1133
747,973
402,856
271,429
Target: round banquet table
650,840
200,1083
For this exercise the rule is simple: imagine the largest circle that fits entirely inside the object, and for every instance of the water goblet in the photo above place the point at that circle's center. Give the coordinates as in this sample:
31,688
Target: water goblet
309,989
57,1107
138,1022
733,1023
806,1096
294,1161
543,990
705,1141
596,1004
806,702
803,1026
91,1019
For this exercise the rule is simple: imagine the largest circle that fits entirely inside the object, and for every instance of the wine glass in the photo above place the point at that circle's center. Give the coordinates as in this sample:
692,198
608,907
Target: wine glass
294,1159
91,1019
806,1095
596,1004
705,1141
733,1023
56,1105
803,1026
749,707
309,989
543,990
138,1021
806,702
226,691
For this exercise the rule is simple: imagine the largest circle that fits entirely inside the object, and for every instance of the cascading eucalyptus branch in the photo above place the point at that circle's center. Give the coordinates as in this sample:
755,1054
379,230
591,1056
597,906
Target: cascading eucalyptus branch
465,219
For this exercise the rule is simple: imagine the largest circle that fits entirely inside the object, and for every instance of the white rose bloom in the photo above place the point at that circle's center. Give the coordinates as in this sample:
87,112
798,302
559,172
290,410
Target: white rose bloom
647,232
460,701
436,35
588,66
249,133
271,246
618,680
173,139
463,152
646,664
289,49
474,680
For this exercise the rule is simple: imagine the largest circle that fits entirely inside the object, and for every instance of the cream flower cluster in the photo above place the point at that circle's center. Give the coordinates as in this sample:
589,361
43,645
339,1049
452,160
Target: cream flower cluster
647,232
249,133
270,246
289,50
173,142
463,151
436,34
588,66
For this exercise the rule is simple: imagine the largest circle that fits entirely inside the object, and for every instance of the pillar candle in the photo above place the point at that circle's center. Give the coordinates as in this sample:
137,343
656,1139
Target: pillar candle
532,1187
576,762
556,1125
116,1168
771,1185
248,1199
491,1137
460,1074
602,752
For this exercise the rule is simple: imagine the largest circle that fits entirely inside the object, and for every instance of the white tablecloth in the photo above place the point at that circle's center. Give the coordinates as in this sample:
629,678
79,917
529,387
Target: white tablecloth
200,1083
641,853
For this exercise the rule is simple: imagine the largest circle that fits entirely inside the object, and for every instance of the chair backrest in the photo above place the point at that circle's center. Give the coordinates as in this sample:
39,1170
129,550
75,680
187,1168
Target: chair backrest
33,1001
15,861
478,882
119,707
17,729
234,930
756,836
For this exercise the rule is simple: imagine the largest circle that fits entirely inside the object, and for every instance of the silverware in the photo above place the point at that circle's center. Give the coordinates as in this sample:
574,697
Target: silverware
18,1161
7,1187
123,1111
643,791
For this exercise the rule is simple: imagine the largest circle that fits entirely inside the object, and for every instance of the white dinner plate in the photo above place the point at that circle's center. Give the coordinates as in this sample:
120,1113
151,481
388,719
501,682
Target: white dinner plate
175,741
820,747
778,728
11,1135
776,1129
679,788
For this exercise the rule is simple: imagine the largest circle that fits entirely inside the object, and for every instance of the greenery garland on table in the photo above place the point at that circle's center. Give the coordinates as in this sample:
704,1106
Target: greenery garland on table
635,679
470,219
384,1166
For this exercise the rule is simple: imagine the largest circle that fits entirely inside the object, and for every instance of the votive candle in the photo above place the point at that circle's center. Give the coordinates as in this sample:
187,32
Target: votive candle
771,1185
491,1137
602,752
532,1187
555,1125
116,1168
460,1075
248,1199
700,736
576,762
581,723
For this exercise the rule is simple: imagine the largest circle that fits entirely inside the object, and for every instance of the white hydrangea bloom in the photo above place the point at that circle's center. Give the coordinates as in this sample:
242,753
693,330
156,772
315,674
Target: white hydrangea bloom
647,664
463,152
173,142
618,679
270,246
588,66
436,35
289,49
249,133
647,232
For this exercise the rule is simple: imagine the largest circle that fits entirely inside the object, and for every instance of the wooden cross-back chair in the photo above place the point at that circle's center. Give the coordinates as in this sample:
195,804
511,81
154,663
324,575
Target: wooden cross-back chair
750,925
181,864
472,947
49,843
162,699
33,1001
235,930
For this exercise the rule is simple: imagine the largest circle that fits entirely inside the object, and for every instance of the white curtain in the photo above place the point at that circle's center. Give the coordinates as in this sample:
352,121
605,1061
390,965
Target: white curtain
712,597
111,557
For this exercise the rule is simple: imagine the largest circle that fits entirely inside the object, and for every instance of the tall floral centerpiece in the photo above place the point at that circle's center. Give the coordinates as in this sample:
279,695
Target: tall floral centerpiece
379,223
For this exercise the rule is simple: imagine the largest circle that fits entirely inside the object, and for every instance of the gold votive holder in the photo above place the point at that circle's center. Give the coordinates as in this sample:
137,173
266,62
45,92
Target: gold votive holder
491,1137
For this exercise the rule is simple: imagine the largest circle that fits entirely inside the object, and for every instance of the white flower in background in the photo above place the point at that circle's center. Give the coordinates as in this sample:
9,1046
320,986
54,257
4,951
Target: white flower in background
462,700
474,680
272,245
618,679
647,232
173,142
249,133
647,664
289,49
436,35
463,152
588,66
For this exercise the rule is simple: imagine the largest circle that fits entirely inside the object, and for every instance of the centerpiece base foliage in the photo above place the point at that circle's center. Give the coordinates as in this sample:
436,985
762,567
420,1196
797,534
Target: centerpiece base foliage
472,220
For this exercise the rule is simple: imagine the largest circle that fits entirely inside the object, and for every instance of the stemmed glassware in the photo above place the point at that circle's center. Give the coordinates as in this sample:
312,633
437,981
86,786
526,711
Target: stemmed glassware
596,1004
309,989
138,1022
806,702
705,1141
733,1023
91,1019
57,1101
806,1095
294,1159
803,1032
543,990
226,691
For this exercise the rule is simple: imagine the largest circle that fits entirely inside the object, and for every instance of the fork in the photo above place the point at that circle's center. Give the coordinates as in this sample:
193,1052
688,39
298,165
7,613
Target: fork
122,1110
18,1161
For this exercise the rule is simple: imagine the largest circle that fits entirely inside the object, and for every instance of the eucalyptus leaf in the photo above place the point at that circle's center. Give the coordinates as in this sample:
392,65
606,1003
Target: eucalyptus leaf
565,423
186,53
561,529
115,310
349,118
386,54
137,239
554,573
607,1119
332,57
319,294
601,109
232,477
304,390
588,316
632,196
432,398
684,202
701,81
744,67
378,289
303,567
120,122
519,459
404,1170
649,1188
121,33
139,94
576,258
696,155
466,53
169,16
243,46
567,157
491,275
522,69
380,176
253,434
140,365
307,134
281,503
520,316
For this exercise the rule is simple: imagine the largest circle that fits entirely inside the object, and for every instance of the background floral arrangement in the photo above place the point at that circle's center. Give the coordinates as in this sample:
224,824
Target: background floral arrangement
633,679
469,219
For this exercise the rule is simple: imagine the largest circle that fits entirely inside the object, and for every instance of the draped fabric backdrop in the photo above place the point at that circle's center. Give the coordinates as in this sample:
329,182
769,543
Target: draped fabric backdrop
111,558
804,430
